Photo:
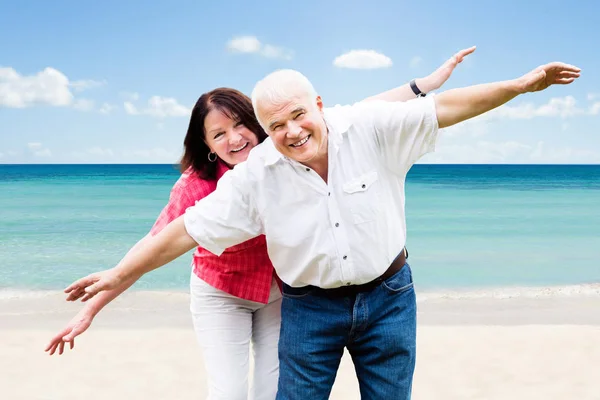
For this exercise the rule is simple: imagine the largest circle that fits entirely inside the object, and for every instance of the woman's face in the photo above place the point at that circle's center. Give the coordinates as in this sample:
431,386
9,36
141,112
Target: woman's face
229,138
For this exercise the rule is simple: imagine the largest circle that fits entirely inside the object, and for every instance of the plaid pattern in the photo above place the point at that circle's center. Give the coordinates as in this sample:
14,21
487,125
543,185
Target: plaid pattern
245,270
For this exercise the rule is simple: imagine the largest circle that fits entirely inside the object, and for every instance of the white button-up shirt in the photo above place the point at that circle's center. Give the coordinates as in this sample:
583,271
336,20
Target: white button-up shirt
329,234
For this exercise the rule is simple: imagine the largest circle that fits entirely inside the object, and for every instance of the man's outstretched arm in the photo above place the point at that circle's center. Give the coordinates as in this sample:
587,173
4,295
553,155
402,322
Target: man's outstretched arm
172,242
456,105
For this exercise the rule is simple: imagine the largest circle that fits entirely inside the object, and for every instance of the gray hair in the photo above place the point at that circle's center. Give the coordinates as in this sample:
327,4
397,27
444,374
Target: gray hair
279,86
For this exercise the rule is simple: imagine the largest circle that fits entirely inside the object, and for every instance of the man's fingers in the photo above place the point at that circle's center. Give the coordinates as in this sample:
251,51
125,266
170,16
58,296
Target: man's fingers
563,67
61,347
465,52
72,344
95,288
564,81
75,294
568,74
81,283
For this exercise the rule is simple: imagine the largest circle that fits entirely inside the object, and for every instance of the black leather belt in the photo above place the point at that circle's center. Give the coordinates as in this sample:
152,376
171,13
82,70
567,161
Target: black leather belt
350,290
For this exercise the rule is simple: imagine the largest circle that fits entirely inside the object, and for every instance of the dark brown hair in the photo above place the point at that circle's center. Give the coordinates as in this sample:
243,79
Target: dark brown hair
234,105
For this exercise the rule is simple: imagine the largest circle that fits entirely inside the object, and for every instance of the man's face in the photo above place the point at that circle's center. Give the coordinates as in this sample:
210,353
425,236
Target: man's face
296,127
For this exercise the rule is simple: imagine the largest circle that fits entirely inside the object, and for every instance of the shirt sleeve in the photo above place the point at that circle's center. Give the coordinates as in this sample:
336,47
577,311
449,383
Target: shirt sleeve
227,216
404,131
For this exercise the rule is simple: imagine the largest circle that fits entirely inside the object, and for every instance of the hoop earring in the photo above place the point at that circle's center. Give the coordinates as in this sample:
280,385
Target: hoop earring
212,159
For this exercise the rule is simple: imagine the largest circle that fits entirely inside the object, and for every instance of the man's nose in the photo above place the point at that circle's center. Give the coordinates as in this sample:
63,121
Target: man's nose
294,129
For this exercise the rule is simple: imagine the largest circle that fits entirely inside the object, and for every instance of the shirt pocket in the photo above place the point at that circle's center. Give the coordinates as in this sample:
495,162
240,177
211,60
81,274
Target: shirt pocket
361,196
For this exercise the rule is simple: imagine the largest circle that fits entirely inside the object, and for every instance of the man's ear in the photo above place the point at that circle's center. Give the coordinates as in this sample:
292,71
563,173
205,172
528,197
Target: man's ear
320,103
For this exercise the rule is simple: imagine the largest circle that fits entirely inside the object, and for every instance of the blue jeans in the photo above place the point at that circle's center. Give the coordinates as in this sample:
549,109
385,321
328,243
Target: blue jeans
378,328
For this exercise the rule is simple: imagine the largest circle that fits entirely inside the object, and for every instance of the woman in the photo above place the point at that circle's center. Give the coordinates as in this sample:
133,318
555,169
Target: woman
235,298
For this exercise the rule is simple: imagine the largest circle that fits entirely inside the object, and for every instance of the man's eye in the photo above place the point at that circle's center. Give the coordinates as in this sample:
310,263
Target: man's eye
298,115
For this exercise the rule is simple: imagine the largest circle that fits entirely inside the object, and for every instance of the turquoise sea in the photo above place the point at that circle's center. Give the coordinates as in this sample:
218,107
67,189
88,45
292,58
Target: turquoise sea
470,227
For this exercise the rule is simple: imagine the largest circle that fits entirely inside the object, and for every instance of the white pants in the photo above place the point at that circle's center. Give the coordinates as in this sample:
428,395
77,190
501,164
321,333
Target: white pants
225,325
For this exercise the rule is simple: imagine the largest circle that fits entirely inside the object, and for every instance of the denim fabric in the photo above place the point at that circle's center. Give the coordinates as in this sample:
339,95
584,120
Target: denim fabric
378,328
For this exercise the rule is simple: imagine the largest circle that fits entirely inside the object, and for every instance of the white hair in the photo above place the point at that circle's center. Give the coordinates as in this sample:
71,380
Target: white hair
279,87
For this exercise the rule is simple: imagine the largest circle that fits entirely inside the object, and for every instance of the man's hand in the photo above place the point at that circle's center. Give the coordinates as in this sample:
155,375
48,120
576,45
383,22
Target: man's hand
437,78
88,287
542,77
79,324
457,105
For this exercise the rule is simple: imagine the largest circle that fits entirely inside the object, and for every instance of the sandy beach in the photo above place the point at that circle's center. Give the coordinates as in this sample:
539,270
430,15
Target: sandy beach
519,344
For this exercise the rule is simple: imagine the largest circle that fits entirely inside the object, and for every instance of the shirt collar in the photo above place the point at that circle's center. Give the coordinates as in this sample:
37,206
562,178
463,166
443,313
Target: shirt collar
337,125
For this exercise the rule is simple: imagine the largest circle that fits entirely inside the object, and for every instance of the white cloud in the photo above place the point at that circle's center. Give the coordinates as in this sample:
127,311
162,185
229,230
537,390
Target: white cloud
49,86
595,108
130,108
562,107
593,96
130,96
159,107
94,154
99,151
151,155
481,152
106,108
43,153
82,85
543,154
166,107
99,154
244,44
251,44
38,150
83,104
415,62
34,145
486,152
362,59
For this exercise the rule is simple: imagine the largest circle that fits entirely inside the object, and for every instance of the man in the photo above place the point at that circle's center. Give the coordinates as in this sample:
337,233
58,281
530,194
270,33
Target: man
327,190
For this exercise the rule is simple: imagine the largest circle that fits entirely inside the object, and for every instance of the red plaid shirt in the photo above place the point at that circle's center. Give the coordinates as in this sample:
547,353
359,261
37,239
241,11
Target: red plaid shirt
244,270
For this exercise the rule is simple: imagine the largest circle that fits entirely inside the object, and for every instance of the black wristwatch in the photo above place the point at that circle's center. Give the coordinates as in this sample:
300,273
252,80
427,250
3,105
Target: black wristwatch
416,90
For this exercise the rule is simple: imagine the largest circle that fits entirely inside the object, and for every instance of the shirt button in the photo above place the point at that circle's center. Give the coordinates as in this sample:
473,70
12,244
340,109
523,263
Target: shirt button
364,186
337,224
308,169
345,257
328,193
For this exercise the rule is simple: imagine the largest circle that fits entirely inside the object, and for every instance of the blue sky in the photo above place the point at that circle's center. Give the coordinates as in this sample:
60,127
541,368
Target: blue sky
113,81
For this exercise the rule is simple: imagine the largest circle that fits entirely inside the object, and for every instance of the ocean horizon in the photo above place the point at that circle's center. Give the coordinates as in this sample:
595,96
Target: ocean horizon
471,227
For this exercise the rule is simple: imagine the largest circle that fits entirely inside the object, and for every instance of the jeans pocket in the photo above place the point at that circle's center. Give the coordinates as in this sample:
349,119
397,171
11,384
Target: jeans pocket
400,282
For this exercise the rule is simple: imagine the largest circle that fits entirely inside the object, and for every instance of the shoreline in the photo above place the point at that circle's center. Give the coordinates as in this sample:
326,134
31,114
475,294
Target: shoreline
142,309
542,345
591,289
